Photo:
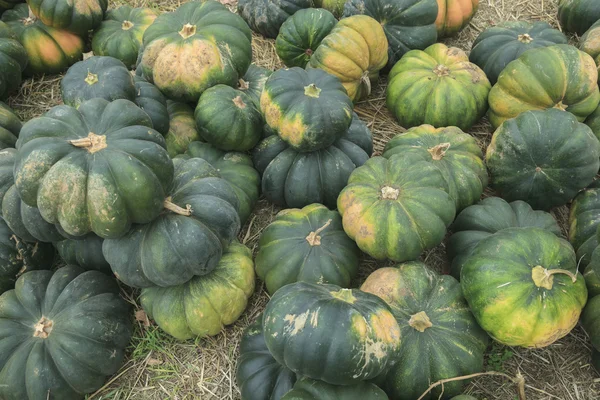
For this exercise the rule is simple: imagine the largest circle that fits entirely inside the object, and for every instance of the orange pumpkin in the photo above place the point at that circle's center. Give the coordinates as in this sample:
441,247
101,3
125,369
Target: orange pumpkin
454,15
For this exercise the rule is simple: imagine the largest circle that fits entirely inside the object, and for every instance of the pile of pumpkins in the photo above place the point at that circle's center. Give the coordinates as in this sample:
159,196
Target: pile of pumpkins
148,177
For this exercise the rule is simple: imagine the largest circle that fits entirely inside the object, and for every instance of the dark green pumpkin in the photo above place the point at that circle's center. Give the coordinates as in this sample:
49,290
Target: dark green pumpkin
10,126
253,82
63,333
440,337
301,34
182,128
593,121
584,219
152,101
86,252
311,389
199,219
267,16
77,16
13,60
357,328
591,277
500,44
258,376
293,180
7,164
8,4
596,360
578,15
97,77
306,245
590,320
542,157
98,168
228,119
590,42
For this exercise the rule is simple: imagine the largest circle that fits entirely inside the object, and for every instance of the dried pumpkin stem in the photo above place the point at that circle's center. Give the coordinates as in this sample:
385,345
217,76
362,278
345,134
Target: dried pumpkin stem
313,238
126,25
525,38
243,85
563,271
43,328
91,143
187,31
366,81
438,152
169,205
91,78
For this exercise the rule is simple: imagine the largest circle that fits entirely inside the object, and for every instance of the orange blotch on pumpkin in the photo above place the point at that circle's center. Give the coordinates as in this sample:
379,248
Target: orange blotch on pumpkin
293,130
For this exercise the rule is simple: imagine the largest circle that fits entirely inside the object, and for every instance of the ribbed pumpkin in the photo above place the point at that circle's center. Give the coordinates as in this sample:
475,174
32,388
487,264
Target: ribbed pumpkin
10,126
336,7
498,45
593,121
440,338
558,76
396,208
590,320
7,163
357,327
584,219
311,389
228,119
301,34
590,42
291,179
253,82
205,304
408,24
542,157
523,287
354,51
197,46
152,101
454,15
98,168
63,333
258,375
266,16
8,4
578,15
86,252
49,50
182,128
13,60
454,153
484,219
306,245
439,87
199,220
592,281
77,16
290,100
120,34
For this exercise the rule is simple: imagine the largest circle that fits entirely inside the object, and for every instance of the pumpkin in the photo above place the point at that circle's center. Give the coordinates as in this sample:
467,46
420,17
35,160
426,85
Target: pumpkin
235,168
301,34
484,219
85,252
13,60
10,126
306,245
542,157
289,102
120,34
354,51
66,340
590,320
203,305
197,46
311,389
523,286
182,128
396,208
7,163
592,280
77,16
253,82
199,220
358,329
558,76
258,375
49,50
593,121
596,360
152,101
267,16
228,119
584,219
408,24
97,77
454,153
578,15
98,168
590,42
439,87
498,45
292,180
454,15
8,4
440,337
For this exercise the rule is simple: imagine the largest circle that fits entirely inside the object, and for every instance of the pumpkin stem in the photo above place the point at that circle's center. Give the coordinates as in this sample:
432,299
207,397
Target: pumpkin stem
366,81
344,295
243,85
441,70
187,211
312,91
187,31
126,25
30,18
561,106
91,78
389,193
543,277
420,321
43,328
525,38
438,152
308,52
239,103
92,142
313,238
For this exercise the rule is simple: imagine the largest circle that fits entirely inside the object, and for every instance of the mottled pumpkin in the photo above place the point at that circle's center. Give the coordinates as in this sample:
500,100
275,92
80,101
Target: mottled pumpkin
454,15
584,219
590,43
13,60
152,101
558,76
592,280
267,16
354,51
590,320
253,82
311,389
182,127
77,16
85,252
10,126
439,87
578,15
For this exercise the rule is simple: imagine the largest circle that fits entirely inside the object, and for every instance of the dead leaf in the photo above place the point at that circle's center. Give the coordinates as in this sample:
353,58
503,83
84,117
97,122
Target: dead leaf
154,361
140,315
88,55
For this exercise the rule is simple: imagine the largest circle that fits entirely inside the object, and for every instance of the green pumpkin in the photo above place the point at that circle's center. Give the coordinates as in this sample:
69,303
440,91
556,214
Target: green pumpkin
98,168
120,34
8,4
253,82
523,287
266,16
584,219
590,42
358,329
228,119
396,208
336,7
174,42
558,76
97,77
86,253
289,100
500,44
10,126
439,87
7,163
593,121
13,60
311,389
63,333
182,128
440,337
596,360
200,219
592,280
301,34
454,153
578,15
484,219
590,320
542,157
77,16
306,245
293,180
258,376
152,101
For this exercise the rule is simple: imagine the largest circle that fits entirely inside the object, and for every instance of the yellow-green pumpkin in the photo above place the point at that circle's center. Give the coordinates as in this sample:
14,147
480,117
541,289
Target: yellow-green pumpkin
590,42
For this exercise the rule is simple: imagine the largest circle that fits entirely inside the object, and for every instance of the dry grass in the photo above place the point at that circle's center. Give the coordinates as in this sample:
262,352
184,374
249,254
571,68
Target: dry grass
159,367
